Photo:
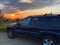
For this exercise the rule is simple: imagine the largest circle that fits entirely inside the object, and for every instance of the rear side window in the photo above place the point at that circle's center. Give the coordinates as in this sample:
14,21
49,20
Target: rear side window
43,21
34,21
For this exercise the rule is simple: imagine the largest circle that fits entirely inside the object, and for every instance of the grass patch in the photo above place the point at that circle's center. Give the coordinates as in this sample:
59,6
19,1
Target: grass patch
3,26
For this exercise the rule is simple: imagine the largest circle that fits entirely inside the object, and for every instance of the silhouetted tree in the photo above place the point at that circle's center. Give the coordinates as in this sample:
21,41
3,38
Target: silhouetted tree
17,19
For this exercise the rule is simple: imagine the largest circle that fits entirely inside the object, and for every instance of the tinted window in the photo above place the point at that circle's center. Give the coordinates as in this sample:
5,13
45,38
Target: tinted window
25,21
34,21
43,21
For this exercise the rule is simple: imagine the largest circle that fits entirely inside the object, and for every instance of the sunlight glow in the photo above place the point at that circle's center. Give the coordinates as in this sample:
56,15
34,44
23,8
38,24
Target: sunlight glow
28,1
12,15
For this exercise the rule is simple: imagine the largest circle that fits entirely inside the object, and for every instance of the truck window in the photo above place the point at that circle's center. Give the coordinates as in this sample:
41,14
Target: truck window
34,21
25,21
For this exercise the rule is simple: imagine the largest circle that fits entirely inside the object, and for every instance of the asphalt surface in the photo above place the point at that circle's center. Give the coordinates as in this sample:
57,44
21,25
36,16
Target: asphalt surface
4,40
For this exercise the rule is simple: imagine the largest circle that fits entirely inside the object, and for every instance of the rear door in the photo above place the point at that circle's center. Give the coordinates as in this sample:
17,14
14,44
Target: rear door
34,31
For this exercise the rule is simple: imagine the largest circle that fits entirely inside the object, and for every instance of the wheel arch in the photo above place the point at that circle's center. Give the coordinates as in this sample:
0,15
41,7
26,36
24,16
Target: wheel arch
47,34
10,28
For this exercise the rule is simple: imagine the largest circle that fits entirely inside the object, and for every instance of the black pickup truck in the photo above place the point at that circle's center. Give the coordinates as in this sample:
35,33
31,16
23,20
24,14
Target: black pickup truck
44,28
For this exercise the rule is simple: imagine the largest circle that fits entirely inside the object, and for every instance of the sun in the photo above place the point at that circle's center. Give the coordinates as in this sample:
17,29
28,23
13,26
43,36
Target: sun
12,15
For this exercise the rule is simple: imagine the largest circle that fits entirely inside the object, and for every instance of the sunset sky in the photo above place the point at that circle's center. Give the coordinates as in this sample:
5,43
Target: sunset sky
25,8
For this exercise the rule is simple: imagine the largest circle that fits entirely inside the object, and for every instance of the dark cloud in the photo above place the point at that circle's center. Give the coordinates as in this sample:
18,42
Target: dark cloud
33,5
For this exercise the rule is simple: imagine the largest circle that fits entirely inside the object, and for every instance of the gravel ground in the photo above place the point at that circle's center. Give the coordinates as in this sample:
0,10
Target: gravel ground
4,40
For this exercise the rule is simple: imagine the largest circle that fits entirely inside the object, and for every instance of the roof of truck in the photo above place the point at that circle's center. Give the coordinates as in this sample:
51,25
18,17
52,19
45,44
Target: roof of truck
45,16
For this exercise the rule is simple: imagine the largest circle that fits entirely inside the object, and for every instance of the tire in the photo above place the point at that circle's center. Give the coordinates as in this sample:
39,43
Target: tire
10,34
48,40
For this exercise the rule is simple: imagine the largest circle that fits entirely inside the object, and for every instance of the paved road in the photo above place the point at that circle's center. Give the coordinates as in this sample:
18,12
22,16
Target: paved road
4,40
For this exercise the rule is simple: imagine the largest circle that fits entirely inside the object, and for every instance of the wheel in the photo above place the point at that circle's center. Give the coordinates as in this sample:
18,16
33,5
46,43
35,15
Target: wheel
48,40
10,34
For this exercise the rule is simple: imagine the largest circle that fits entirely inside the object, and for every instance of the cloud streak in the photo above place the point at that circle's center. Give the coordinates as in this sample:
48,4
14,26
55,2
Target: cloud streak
33,5
24,5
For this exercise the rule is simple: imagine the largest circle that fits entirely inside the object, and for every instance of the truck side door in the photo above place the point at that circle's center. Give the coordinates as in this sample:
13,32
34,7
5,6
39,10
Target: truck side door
34,31
24,26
